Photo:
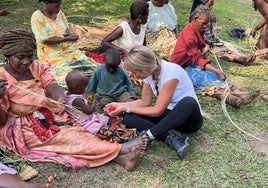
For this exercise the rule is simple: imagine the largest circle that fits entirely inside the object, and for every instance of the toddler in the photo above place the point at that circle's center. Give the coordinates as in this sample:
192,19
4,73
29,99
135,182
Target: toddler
85,113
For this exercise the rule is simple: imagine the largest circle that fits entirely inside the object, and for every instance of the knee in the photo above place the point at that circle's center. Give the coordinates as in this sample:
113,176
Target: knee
190,101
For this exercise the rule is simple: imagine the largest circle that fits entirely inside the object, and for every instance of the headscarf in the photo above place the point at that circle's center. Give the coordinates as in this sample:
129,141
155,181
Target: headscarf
17,41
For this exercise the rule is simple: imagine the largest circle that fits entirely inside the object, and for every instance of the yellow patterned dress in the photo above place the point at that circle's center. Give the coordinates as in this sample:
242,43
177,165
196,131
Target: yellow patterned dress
63,57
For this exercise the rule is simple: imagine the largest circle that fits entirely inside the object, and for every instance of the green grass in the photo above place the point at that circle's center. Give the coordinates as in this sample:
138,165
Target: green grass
220,155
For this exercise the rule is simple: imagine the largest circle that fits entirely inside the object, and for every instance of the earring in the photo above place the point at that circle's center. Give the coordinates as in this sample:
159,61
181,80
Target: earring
6,61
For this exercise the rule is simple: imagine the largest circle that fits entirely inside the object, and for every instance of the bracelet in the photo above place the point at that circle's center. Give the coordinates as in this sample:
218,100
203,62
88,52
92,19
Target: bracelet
128,109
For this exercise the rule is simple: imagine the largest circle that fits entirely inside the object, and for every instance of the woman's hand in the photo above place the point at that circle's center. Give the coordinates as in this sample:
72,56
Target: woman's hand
221,76
114,108
253,33
71,36
3,84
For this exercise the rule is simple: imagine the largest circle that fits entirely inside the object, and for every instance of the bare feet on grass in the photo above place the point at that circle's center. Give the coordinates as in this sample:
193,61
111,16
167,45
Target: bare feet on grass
49,184
11,180
129,161
249,97
140,142
249,60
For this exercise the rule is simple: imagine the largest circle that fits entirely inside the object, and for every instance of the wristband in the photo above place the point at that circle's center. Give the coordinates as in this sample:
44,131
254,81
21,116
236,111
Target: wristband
128,109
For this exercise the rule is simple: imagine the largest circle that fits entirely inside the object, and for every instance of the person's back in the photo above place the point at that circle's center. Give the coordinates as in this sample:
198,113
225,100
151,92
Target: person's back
110,81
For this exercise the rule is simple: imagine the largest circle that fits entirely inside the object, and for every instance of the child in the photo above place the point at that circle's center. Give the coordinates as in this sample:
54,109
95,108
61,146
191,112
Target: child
77,82
129,33
110,81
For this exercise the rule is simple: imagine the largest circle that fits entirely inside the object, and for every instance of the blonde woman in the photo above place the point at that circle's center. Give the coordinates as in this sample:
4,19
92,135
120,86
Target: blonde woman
176,105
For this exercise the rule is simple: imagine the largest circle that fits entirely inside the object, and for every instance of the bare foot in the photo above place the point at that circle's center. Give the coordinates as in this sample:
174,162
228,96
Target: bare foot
129,160
265,97
50,182
249,97
140,142
250,59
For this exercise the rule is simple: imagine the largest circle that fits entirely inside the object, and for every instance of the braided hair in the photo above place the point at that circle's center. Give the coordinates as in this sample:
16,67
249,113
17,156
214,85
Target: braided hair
16,41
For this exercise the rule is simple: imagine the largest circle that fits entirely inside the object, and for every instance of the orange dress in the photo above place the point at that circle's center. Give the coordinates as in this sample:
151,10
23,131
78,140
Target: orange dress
72,146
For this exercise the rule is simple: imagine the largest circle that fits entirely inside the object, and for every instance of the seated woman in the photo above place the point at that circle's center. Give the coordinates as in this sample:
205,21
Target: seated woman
176,106
9,179
188,54
129,33
54,42
32,119
220,48
162,29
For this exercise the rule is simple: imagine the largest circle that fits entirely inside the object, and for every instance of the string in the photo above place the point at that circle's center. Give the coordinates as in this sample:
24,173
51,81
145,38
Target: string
223,104
50,100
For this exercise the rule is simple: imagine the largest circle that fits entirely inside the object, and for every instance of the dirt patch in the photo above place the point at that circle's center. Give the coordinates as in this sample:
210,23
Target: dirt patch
262,147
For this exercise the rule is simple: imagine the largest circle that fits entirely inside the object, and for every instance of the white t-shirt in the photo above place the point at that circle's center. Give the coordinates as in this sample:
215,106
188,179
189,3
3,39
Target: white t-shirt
171,71
129,39
158,17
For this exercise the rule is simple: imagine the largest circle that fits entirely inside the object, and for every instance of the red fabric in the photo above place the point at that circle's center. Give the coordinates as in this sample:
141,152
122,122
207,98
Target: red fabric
97,57
188,48
116,131
42,132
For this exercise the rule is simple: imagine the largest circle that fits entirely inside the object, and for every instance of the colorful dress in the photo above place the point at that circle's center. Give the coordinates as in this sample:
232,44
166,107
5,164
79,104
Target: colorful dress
160,35
188,54
63,57
92,122
72,146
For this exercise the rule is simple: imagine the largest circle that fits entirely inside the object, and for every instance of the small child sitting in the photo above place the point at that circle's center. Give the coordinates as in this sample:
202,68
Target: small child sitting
85,113
110,81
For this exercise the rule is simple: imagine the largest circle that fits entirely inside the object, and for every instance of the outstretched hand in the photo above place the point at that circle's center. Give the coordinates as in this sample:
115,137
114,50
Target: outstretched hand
114,109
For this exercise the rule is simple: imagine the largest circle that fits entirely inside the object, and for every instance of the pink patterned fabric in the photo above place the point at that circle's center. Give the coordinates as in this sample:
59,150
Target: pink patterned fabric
92,122
73,146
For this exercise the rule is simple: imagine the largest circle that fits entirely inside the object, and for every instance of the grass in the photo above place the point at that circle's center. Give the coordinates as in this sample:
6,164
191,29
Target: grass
220,155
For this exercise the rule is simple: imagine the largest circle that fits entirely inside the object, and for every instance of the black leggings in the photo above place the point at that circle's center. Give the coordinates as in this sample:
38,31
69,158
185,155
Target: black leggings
185,118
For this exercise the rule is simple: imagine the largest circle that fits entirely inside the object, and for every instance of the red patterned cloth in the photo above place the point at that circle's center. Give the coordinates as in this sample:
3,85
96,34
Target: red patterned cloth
115,131
97,57
43,128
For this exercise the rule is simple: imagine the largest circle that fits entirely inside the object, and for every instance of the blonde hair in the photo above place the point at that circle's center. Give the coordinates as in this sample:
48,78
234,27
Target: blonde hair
141,58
